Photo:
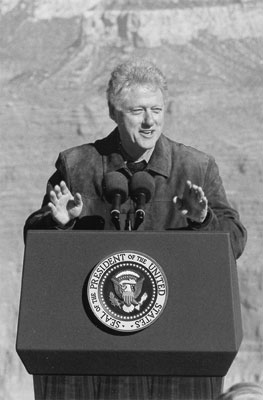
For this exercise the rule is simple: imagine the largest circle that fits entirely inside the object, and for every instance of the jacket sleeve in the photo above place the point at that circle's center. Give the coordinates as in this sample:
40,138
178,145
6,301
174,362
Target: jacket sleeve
221,216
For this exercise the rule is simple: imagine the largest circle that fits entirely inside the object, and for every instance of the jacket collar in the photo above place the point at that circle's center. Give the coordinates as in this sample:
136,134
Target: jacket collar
160,161
110,148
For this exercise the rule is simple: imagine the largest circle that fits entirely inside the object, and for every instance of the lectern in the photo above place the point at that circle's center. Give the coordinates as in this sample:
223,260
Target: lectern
128,315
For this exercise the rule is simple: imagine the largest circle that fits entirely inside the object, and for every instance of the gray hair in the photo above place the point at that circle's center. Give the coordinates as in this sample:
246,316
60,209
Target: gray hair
131,73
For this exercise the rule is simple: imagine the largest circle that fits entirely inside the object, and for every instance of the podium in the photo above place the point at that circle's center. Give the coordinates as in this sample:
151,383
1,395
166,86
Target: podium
182,354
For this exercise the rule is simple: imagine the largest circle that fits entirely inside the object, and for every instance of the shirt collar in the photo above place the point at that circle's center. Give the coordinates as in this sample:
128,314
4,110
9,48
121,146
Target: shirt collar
144,157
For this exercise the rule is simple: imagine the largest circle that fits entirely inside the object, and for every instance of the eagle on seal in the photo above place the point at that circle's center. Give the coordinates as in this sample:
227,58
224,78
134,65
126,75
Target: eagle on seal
128,286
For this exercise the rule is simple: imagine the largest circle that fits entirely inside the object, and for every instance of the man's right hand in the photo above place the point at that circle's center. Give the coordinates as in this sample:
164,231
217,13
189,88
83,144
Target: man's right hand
63,205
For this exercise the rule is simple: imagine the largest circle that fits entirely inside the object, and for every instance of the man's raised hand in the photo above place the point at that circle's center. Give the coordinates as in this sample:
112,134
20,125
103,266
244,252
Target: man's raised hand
63,205
193,203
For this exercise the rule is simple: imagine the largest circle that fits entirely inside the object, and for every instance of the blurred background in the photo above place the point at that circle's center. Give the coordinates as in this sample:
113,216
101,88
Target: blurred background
56,57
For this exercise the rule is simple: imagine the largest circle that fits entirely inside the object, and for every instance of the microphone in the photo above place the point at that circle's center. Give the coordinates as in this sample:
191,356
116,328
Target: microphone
142,188
116,193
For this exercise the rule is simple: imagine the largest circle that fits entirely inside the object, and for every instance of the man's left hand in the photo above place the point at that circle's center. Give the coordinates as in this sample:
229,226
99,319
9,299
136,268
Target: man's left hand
193,203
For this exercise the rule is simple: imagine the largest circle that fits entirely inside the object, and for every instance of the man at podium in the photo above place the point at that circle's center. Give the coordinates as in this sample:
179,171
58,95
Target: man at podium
136,179
97,185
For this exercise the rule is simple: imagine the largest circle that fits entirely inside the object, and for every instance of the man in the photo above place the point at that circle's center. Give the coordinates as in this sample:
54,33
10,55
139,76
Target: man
188,191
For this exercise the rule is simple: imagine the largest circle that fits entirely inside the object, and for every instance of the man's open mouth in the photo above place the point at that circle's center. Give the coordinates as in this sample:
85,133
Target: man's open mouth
147,131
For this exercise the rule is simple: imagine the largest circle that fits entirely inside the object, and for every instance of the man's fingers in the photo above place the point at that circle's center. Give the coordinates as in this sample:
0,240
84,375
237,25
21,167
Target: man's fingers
184,212
198,192
63,187
179,205
58,191
78,199
52,207
200,195
187,189
195,192
178,202
53,197
203,201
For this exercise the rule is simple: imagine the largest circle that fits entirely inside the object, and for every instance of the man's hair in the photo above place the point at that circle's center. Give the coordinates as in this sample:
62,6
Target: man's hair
141,72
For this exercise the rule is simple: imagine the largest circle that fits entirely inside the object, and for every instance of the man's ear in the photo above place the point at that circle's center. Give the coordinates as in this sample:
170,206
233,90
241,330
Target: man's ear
112,112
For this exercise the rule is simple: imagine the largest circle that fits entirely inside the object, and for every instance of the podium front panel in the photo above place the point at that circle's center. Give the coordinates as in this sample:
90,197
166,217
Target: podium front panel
198,333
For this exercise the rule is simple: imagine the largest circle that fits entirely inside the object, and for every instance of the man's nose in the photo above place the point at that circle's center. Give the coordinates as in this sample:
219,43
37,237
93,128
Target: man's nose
148,118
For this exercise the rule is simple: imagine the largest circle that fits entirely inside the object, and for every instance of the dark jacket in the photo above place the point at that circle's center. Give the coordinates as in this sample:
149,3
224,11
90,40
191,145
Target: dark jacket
171,164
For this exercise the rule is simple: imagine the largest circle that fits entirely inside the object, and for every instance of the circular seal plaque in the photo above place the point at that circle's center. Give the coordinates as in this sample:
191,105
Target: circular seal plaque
127,291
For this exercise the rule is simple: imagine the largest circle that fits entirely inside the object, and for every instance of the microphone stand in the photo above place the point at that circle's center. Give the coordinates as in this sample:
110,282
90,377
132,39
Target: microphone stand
115,211
140,213
128,225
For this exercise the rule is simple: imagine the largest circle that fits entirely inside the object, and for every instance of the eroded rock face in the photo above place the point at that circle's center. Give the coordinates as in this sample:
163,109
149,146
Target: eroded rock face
56,58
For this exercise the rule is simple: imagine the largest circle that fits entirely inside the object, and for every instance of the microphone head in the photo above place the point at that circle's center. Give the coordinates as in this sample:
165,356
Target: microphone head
115,183
142,183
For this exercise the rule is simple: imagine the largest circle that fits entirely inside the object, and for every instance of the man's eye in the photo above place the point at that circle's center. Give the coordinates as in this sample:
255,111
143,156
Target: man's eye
157,110
137,110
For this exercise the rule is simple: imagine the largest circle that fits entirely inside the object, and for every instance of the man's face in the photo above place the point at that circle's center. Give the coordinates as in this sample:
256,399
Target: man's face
140,119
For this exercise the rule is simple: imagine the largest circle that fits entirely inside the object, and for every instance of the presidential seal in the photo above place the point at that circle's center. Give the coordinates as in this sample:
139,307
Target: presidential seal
127,291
